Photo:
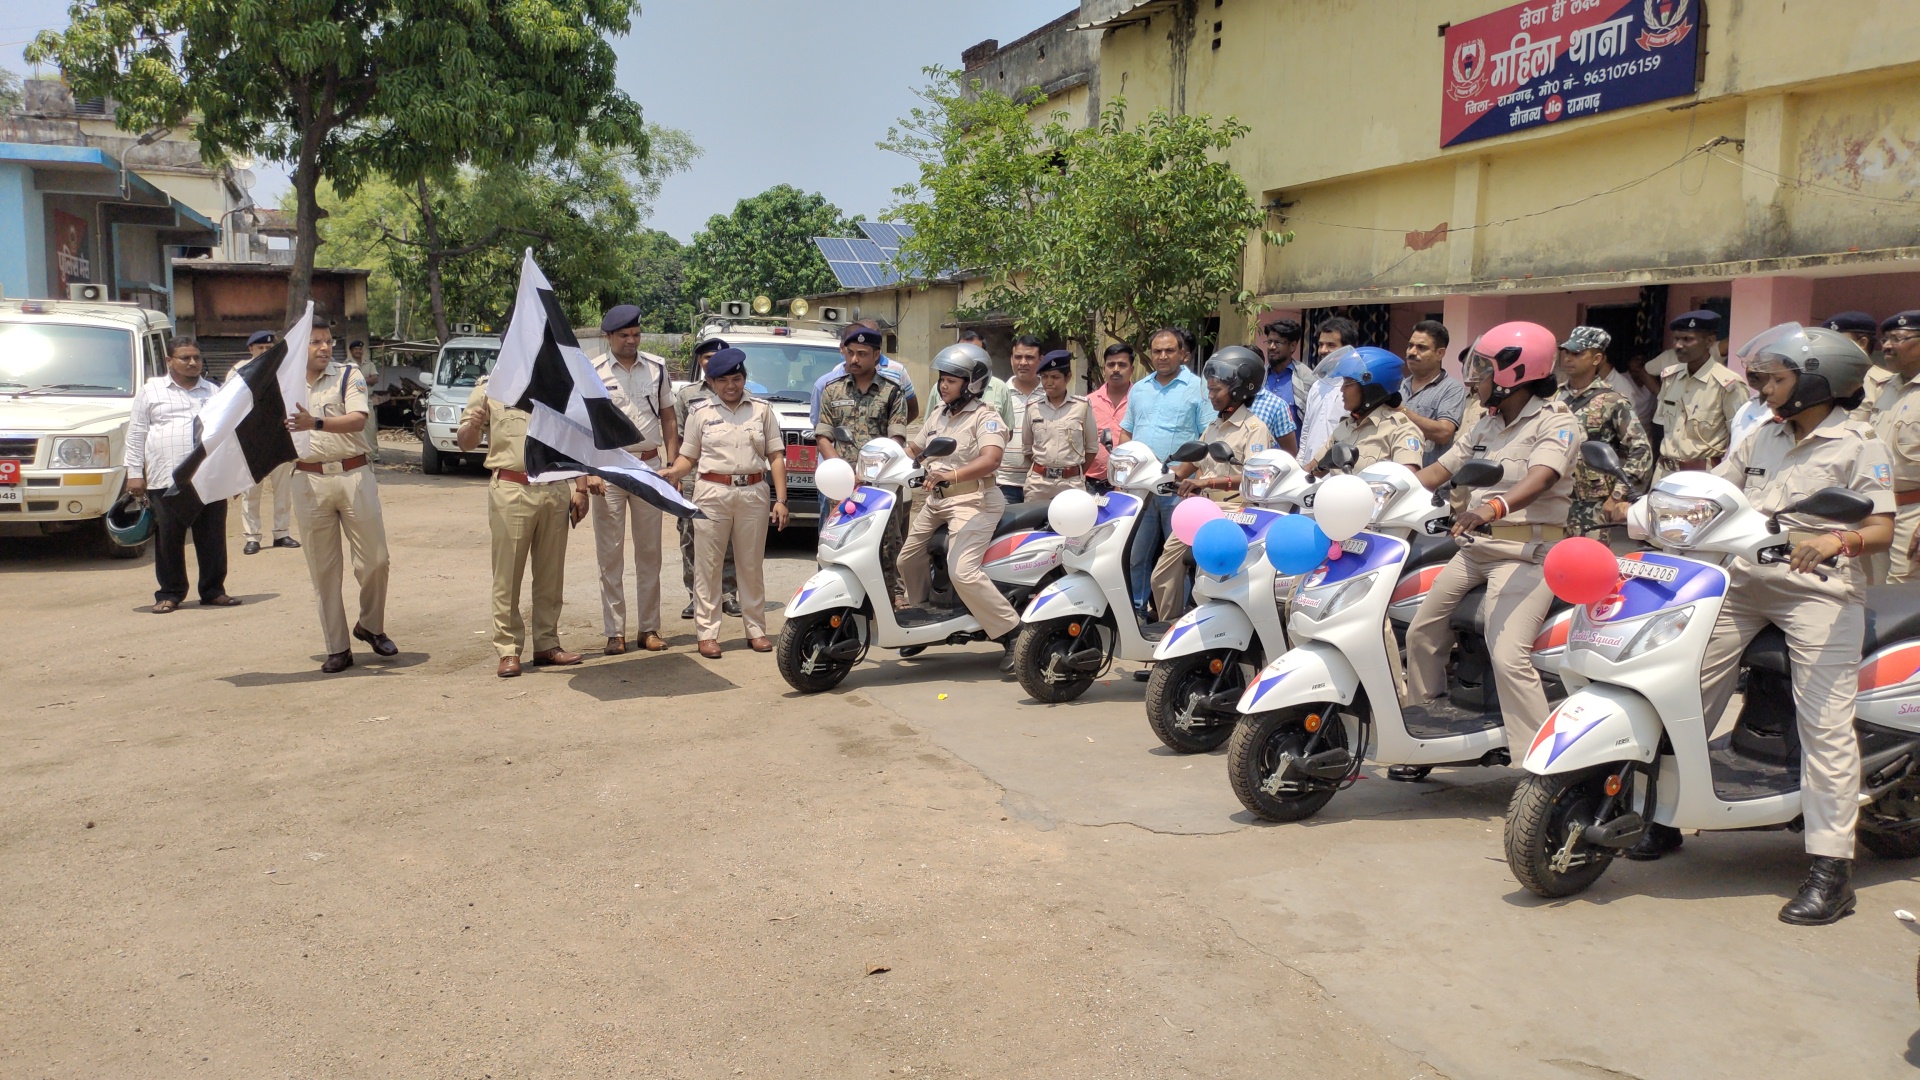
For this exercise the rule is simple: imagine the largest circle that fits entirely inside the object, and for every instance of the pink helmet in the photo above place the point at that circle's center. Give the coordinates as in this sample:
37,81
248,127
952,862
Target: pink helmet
1517,352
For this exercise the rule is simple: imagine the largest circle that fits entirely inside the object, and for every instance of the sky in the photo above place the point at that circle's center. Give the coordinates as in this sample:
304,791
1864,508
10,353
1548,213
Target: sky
773,91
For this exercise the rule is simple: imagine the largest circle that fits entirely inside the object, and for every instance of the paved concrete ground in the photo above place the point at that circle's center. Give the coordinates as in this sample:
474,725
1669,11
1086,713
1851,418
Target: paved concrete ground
217,861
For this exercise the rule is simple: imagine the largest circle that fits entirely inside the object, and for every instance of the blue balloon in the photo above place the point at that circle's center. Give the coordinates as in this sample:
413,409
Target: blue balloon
1219,547
1296,545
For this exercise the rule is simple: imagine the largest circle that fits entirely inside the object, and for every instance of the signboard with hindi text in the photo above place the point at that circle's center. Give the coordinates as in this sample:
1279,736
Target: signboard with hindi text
1534,64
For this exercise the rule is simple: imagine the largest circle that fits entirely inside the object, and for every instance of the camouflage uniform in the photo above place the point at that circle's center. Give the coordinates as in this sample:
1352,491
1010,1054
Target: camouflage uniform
880,412
1608,417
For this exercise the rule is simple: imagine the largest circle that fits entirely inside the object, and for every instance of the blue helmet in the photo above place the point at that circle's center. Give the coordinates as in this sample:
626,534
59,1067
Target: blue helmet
1377,372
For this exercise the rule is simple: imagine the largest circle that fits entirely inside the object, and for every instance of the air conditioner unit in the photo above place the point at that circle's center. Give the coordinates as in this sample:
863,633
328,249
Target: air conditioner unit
81,290
830,314
735,309
465,329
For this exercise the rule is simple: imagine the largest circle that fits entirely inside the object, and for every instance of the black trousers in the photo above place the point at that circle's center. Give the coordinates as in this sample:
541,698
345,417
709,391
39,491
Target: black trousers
173,518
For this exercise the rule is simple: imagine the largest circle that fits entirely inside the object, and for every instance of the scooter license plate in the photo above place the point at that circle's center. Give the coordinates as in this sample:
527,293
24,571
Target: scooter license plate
1666,575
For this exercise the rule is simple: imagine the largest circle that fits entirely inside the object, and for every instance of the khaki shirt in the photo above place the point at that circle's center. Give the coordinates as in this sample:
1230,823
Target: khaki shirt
340,390
640,392
1061,436
1897,422
734,441
1545,433
1242,431
1382,435
1777,468
1874,384
1696,410
506,429
1013,465
973,428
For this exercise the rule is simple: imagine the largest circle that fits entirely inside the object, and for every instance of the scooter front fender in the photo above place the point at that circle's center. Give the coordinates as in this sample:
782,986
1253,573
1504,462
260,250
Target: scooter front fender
1308,673
1212,625
1074,594
1597,726
829,589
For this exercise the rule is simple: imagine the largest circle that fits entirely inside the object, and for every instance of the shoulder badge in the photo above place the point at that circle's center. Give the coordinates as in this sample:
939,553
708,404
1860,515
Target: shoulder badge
992,426
1413,442
1564,436
1883,472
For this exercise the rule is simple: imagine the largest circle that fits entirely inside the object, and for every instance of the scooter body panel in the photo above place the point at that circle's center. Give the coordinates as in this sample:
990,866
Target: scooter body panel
1307,674
831,587
1889,688
1095,582
1597,726
1073,593
1213,625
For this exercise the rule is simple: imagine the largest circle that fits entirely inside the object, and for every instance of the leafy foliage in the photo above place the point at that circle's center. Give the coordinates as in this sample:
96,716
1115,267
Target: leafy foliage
766,247
1115,227
9,89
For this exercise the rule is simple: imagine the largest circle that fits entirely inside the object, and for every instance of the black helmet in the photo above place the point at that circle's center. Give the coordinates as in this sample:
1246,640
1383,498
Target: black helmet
966,361
1830,366
1241,369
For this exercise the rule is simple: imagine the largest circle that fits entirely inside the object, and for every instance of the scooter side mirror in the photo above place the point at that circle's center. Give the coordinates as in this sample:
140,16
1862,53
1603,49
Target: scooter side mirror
1106,438
1340,456
1220,452
1479,473
1189,453
1835,504
939,447
1601,457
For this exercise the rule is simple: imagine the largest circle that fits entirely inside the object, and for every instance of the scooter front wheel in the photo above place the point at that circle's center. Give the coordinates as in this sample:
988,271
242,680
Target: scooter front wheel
1271,753
1545,824
816,651
1043,658
1180,700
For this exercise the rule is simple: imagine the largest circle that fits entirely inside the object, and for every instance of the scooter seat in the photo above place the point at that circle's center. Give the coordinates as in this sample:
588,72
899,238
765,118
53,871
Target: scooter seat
1021,517
1893,614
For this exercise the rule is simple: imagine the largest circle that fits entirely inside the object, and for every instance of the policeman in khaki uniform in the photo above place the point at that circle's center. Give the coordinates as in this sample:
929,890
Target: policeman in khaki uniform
866,405
529,523
637,385
1699,397
1897,422
281,478
733,444
685,400
333,493
1813,376
964,496
1507,528
1234,377
1859,327
1375,425
1062,438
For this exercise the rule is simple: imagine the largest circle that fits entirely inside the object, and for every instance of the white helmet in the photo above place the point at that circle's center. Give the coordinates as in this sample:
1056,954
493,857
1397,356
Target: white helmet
1831,367
967,361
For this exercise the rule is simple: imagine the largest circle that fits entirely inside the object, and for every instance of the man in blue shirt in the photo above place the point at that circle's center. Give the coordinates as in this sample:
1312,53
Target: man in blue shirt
1164,410
1282,344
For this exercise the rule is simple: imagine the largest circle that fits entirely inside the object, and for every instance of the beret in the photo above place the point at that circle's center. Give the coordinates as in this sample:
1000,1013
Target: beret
262,337
1850,322
1057,360
1906,320
725,362
708,345
622,317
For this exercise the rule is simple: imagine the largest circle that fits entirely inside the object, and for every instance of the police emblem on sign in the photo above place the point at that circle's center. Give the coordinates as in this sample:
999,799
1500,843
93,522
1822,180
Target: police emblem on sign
1468,70
1667,23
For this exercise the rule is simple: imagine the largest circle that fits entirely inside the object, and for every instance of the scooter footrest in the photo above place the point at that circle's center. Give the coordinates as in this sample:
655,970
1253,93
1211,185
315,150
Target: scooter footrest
919,616
1154,631
1440,720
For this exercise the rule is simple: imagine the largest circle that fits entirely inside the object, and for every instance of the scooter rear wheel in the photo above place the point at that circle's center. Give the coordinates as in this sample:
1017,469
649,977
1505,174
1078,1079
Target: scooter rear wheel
1257,747
801,651
1041,648
1544,823
1172,693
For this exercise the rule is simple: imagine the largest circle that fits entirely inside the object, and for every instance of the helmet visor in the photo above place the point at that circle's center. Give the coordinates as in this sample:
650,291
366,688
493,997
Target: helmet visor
1783,348
1225,371
1768,341
1480,368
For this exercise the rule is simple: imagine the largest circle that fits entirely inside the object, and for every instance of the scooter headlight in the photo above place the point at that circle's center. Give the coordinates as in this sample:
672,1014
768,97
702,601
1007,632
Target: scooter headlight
1679,519
872,462
1086,541
1661,630
1258,481
844,533
1326,601
1383,494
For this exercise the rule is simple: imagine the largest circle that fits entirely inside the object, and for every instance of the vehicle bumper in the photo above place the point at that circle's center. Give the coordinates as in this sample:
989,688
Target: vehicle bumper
60,497
445,438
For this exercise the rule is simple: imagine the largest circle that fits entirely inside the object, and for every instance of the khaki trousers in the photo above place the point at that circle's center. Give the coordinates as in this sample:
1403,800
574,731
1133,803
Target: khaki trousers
736,515
1041,489
529,523
282,505
1824,635
329,505
1170,580
970,521
685,528
1516,604
1900,569
612,513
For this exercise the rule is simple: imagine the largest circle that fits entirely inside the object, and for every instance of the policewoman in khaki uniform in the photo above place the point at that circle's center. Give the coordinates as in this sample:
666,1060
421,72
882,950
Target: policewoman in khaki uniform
1234,376
1813,377
734,446
685,400
1508,526
1375,425
637,385
529,523
1062,438
1699,397
333,493
1896,418
964,497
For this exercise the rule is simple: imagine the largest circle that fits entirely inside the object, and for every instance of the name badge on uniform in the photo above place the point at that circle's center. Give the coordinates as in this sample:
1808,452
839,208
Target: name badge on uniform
1479,449
1756,472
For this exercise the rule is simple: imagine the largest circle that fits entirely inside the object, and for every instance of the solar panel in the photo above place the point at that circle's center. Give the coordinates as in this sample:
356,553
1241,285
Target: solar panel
857,263
887,234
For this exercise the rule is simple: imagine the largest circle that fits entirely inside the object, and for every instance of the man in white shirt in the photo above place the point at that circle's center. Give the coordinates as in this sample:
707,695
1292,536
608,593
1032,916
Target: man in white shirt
1324,402
159,437
639,387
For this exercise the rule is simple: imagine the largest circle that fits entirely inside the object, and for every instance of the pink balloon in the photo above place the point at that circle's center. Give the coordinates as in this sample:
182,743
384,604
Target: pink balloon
1191,513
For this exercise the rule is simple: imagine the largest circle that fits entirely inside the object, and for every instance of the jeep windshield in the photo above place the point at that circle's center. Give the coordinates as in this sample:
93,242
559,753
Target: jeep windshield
787,369
464,367
54,358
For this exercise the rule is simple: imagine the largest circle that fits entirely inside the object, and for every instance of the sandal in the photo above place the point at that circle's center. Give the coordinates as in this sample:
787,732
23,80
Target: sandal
223,600
165,606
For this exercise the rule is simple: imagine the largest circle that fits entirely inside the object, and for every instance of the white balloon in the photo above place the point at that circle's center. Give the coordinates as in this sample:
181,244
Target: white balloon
834,478
1072,513
1342,506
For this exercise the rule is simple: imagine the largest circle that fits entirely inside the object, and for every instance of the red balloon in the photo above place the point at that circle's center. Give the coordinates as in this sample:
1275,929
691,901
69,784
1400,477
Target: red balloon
1581,570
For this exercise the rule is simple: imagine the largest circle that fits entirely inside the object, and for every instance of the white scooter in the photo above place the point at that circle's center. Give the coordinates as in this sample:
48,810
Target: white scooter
844,608
1203,663
1293,750
1631,744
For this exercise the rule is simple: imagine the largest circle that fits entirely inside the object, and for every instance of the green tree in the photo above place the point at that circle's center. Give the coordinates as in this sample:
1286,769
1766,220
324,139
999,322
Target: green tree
1116,227
408,89
351,230
765,247
660,283
9,89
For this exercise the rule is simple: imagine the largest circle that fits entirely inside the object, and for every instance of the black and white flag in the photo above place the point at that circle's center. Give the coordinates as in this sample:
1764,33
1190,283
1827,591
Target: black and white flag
241,435
574,428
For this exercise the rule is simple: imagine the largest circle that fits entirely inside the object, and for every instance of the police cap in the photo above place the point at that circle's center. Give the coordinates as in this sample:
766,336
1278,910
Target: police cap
1697,320
1058,360
262,337
725,362
1906,320
861,335
622,317
709,345
1850,322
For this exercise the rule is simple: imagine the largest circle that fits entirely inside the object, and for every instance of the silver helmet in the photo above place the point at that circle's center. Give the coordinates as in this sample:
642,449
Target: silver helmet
1831,367
967,361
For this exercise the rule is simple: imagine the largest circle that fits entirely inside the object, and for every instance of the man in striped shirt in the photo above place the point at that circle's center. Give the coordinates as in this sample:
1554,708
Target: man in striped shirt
159,437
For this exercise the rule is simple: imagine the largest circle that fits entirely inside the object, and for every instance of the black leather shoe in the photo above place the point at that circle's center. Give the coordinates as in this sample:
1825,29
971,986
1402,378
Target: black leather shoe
1658,840
286,542
337,663
1825,897
1006,658
381,643
253,548
1408,774
687,612
731,607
